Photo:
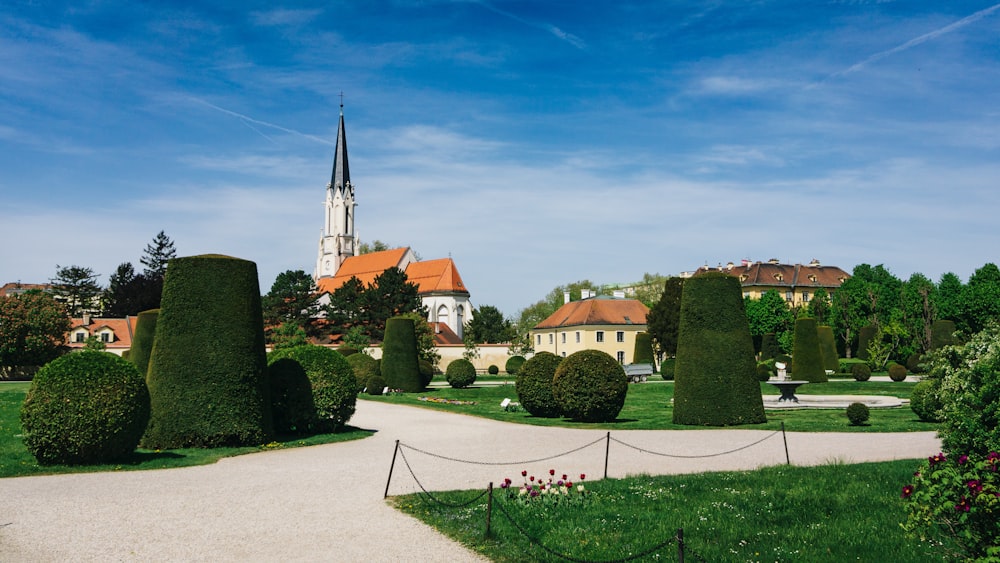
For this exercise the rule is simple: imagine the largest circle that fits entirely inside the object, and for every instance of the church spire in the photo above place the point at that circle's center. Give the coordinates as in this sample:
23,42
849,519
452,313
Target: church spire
341,178
338,241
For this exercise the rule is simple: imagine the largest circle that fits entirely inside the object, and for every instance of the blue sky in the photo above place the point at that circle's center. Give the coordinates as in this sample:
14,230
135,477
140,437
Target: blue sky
535,143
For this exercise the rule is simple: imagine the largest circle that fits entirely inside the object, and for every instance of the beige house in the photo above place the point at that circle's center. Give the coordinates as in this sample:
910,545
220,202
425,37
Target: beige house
796,283
601,323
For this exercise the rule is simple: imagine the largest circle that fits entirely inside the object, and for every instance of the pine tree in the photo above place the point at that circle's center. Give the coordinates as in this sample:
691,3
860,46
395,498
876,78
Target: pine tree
77,287
156,256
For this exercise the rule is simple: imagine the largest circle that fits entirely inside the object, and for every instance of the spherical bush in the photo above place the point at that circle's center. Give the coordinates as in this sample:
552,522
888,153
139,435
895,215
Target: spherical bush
460,373
913,363
426,372
334,387
375,385
857,413
925,402
513,364
763,372
590,386
493,370
534,385
861,372
897,372
364,367
85,408
292,407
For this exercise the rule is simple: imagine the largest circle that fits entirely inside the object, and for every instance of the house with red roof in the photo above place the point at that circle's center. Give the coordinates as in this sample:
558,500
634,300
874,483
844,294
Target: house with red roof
605,323
796,283
115,334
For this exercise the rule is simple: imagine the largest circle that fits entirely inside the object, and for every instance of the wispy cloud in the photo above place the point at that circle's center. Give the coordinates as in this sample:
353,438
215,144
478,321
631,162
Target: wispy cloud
249,120
550,28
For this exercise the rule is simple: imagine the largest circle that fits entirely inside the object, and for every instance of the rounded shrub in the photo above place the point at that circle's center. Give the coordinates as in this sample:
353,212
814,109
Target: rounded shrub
667,369
925,401
292,407
913,363
426,372
807,357
513,364
331,378
376,385
493,370
85,408
400,362
861,372
643,351
715,371
590,386
857,413
207,373
897,372
460,373
142,340
764,371
534,385
364,367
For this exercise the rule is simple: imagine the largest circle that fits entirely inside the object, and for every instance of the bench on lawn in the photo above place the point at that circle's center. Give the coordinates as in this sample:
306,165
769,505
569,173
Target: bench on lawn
637,373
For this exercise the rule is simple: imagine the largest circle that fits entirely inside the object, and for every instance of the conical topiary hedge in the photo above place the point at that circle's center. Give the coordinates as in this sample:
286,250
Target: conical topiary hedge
206,374
715,372
643,351
142,341
828,348
400,363
807,357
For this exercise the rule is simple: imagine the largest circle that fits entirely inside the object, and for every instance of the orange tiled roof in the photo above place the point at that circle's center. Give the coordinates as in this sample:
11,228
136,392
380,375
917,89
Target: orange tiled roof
596,311
436,276
443,335
123,329
365,267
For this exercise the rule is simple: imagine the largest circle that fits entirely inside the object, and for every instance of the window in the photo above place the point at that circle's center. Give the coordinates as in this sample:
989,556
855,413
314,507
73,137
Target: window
600,336
564,338
79,337
578,337
105,337
550,339
788,296
620,336
539,339
621,357
805,296
564,354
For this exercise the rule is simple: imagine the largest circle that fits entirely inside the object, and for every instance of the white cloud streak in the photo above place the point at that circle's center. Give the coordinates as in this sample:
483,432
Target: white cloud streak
552,29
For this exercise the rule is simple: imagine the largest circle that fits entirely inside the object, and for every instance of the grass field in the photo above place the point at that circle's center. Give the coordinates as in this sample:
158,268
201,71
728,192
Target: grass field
831,513
15,460
647,407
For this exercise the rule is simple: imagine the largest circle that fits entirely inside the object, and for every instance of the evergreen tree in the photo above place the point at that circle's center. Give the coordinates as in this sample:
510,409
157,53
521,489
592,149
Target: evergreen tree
663,320
981,299
807,355
129,293
291,300
157,254
489,326
390,295
77,287
819,306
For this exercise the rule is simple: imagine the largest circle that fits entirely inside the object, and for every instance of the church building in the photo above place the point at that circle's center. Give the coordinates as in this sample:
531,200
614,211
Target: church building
438,282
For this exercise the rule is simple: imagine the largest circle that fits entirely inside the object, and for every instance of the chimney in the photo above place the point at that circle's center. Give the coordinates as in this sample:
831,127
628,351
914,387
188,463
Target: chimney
565,297
86,319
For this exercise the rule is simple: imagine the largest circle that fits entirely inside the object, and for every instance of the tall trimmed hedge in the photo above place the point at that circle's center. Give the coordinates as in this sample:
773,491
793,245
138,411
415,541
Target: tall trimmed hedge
828,348
331,379
942,334
207,373
400,363
807,357
142,340
293,410
590,386
769,346
715,372
534,385
643,352
865,335
85,408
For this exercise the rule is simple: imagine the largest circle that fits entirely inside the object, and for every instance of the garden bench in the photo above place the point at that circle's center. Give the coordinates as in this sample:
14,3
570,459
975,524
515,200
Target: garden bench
637,373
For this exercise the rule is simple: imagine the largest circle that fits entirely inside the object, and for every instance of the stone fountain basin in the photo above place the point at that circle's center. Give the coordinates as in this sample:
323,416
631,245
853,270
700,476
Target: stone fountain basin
834,401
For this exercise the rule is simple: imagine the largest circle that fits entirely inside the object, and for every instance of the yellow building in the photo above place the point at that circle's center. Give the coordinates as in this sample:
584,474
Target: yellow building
796,283
597,323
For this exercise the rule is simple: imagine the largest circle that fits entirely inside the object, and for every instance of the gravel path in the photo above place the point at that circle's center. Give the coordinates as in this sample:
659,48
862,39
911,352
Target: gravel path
324,503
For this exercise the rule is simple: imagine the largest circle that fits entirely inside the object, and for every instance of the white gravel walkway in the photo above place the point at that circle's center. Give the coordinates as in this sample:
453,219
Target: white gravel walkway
324,503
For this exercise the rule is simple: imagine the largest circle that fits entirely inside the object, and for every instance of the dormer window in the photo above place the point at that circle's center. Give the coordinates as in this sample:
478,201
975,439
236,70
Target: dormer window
79,336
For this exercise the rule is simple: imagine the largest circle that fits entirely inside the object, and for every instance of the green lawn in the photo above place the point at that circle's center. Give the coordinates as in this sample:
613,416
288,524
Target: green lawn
831,513
15,460
647,407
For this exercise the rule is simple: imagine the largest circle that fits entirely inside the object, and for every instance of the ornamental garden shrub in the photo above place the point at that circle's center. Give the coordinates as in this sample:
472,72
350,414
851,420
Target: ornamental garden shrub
400,365
142,340
534,385
716,381
861,372
331,378
207,372
667,369
857,413
769,346
426,372
642,353
292,407
85,408
924,401
364,367
865,336
807,357
513,364
590,386
828,348
376,385
493,370
897,372
460,373
764,371
942,334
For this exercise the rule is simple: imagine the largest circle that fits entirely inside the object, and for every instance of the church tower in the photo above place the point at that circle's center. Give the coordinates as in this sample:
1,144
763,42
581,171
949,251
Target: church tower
338,241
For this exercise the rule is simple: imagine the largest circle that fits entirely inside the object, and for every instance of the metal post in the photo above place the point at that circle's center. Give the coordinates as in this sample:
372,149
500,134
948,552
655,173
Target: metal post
788,460
489,511
391,466
680,545
607,450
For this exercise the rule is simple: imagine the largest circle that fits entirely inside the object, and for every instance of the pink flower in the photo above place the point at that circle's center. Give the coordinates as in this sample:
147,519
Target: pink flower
975,487
962,459
935,459
907,491
963,505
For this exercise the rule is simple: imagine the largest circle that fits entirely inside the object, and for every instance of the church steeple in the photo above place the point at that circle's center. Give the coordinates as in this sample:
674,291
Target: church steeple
338,241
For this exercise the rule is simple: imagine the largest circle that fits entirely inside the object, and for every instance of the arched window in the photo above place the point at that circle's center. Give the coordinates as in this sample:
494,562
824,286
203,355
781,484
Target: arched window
460,321
442,314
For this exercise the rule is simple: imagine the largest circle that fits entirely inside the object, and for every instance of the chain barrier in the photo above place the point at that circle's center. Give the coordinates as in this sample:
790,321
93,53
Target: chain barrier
551,551
645,451
431,495
471,462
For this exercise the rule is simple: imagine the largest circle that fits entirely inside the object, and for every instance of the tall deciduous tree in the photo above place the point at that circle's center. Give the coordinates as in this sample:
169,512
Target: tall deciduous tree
819,306
489,326
918,311
664,318
770,314
77,287
981,298
949,297
33,327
